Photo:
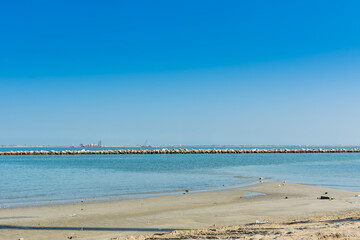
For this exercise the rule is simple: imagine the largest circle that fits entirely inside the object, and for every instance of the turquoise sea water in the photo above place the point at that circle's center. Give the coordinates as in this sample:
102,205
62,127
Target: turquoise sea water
34,180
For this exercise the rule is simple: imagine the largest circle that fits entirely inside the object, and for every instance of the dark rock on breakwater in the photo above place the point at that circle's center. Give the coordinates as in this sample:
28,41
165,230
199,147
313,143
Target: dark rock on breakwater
182,151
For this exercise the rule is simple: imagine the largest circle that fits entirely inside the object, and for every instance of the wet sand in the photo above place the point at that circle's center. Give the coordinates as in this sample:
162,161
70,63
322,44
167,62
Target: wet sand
135,217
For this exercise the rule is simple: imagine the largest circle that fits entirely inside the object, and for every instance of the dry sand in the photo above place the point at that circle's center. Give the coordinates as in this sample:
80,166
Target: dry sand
118,219
344,226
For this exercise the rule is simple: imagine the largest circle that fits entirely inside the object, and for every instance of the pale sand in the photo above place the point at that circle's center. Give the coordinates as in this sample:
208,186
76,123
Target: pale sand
105,220
343,226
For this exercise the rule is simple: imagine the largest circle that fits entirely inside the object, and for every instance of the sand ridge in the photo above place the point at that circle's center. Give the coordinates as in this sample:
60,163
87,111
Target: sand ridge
343,226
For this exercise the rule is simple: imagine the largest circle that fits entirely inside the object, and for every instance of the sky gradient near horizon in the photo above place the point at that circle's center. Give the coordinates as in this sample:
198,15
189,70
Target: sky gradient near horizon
179,72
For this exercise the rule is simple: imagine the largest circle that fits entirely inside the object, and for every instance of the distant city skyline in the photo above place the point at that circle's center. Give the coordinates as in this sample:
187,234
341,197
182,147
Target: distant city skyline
180,72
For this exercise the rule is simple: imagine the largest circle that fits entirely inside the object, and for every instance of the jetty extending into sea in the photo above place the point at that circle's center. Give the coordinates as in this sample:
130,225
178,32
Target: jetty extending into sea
183,151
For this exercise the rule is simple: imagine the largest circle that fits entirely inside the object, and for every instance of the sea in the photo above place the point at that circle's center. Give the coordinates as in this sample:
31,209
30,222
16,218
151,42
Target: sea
54,179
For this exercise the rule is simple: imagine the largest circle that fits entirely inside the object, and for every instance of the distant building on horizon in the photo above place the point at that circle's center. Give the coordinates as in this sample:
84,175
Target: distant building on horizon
91,144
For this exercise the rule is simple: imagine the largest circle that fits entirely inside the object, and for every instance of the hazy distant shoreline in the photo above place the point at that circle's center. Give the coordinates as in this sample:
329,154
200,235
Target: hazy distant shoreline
195,145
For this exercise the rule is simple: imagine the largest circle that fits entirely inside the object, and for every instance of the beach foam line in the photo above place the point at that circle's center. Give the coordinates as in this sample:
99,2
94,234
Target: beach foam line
182,151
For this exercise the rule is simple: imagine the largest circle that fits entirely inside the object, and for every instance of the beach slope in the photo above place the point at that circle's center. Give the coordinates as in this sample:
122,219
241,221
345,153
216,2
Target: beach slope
230,207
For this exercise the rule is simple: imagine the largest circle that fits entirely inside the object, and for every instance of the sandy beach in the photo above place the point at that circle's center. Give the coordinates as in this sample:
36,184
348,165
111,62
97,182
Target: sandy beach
225,211
343,226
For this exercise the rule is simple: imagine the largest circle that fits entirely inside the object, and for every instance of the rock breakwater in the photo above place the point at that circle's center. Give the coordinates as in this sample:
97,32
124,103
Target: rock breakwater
182,151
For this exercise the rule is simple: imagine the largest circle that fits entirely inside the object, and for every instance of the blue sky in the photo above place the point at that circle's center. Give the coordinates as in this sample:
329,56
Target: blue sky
179,72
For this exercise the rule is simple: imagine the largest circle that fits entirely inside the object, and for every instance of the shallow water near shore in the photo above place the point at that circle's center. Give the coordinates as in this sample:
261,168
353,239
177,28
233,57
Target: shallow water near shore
38,180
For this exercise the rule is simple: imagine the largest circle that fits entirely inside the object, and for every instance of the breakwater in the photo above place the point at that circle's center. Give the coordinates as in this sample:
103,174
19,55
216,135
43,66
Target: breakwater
182,151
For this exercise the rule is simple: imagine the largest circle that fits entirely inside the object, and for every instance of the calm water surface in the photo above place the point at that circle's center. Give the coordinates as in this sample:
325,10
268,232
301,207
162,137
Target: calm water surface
34,180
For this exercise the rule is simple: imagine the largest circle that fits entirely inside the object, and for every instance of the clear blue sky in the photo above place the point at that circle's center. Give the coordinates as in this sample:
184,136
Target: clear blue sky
179,72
